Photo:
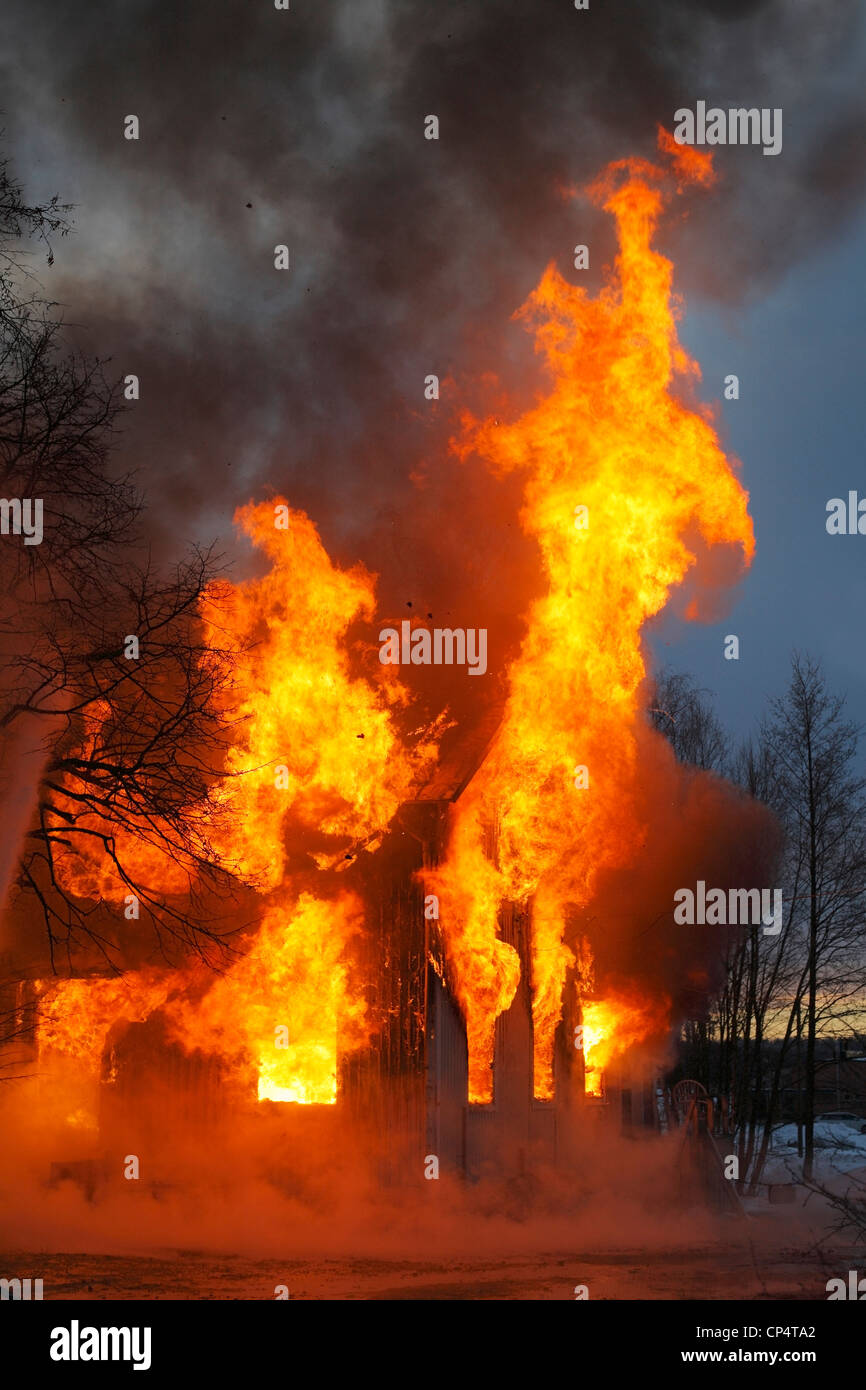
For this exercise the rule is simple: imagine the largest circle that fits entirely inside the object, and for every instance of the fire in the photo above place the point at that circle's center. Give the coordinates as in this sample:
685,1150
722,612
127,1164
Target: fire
88,868
611,1026
281,1008
318,762
317,770
620,476
692,165
470,888
75,1016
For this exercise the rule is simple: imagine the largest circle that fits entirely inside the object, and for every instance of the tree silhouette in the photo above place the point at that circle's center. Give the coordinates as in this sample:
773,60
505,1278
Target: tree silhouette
102,754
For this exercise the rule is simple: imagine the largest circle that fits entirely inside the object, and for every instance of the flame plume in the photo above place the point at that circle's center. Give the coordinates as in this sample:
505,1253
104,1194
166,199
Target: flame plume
295,977
317,769
298,707
611,436
611,1026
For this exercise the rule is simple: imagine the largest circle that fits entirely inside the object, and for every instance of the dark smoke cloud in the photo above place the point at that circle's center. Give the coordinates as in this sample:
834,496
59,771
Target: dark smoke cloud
408,255
695,826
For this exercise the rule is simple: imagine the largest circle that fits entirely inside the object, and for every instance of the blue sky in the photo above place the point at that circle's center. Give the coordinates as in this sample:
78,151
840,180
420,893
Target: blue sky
798,430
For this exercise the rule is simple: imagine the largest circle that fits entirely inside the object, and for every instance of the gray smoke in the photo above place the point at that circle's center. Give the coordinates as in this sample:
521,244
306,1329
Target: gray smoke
305,127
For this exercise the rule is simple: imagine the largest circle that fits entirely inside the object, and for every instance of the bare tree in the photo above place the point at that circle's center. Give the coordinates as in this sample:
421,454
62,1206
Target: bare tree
680,710
821,798
129,746
847,1203
135,763
57,411
807,980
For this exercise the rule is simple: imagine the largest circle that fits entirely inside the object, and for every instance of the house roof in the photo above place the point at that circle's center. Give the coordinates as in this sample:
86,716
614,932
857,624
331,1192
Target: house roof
463,749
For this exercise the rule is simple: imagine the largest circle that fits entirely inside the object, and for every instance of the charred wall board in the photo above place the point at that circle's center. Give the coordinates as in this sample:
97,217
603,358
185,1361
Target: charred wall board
149,1085
407,1089
447,1077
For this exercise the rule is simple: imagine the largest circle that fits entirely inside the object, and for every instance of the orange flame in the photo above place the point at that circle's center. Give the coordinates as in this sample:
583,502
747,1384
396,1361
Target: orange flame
319,765
318,759
318,769
691,165
613,1025
280,1009
620,474
75,1016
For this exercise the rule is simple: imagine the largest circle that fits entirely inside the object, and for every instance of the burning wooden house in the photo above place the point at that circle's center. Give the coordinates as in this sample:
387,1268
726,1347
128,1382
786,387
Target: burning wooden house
403,1094
425,992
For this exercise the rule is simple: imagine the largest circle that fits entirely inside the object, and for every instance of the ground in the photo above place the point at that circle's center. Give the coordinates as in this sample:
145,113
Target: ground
750,1264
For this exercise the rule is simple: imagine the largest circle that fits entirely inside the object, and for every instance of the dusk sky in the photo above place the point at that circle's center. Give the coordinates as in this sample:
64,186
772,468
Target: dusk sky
798,429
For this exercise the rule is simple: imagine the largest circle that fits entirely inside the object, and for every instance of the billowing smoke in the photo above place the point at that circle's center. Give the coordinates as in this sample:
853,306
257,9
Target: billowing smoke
306,128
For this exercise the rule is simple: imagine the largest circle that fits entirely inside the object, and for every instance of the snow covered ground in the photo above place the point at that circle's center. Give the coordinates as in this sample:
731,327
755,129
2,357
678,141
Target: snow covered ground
840,1148
839,1167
